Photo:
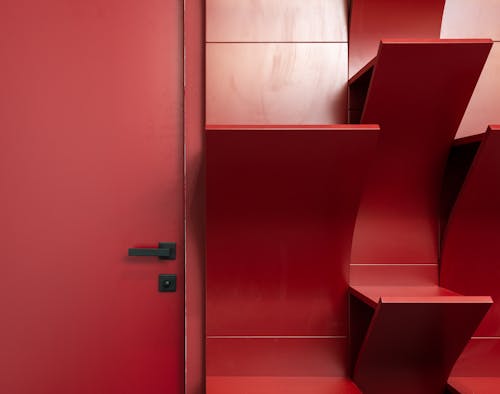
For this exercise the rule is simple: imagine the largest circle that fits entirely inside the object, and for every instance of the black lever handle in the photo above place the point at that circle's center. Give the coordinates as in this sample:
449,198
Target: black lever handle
165,251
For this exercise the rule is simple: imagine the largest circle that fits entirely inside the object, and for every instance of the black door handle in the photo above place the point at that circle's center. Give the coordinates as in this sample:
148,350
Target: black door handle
165,251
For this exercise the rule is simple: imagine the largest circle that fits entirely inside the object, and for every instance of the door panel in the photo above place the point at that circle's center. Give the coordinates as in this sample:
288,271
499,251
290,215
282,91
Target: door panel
91,164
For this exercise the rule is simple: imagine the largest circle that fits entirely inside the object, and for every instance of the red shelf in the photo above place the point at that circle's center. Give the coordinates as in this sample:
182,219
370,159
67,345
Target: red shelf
280,385
414,337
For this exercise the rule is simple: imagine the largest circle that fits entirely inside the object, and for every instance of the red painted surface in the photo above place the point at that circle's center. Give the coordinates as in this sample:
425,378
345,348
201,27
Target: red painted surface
281,206
371,21
276,83
399,275
371,295
194,130
276,21
413,342
479,359
474,221
280,210
474,385
419,106
91,164
277,356
273,385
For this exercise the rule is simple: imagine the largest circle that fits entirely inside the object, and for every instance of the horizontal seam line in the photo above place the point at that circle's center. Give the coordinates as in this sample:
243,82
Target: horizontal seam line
388,265
277,42
276,337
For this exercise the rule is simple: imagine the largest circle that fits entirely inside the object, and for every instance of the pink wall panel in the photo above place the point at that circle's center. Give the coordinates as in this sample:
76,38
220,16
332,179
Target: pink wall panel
276,20
372,21
277,356
284,83
484,106
471,19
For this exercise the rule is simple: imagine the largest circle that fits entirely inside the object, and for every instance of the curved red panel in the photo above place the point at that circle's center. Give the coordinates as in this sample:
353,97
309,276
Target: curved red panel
469,262
372,21
415,97
413,342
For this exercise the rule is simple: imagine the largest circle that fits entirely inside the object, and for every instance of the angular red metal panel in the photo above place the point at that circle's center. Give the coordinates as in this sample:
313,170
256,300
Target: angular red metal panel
276,83
371,21
413,342
474,385
371,295
415,97
276,21
281,205
480,358
470,249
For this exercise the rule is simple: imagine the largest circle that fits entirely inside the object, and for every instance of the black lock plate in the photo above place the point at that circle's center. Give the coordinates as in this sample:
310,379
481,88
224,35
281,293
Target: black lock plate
167,283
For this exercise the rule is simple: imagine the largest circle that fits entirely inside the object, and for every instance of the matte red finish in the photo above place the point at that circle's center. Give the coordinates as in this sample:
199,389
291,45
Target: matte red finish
391,274
477,371
479,359
276,83
194,130
276,21
281,205
415,97
91,164
473,235
371,295
371,21
276,356
280,384
474,385
413,342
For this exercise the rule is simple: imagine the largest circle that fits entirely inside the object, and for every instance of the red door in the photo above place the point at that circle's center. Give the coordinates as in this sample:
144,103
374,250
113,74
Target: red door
90,165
